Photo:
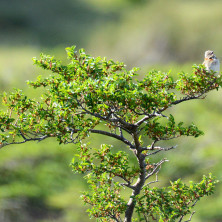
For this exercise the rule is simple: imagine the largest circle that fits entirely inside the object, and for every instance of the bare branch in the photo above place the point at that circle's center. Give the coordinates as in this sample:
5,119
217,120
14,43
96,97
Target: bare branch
149,116
159,149
35,138
194,203
120,132
24,141
154,181
190,216
128,126
127,184
153,143
180,220
118,137
156,168
23,136
186,99
142,120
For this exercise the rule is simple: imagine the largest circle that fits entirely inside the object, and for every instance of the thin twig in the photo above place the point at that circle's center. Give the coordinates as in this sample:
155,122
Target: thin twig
180,220
154,181
142,120
24,141
156,168
118,137
194,203
159,149
190,216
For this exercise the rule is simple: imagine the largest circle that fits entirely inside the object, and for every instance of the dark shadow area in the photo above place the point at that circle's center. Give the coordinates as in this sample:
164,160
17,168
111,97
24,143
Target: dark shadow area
48,22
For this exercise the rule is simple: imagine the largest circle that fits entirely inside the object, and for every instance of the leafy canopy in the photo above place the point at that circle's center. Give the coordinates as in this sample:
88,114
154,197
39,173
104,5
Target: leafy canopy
99,96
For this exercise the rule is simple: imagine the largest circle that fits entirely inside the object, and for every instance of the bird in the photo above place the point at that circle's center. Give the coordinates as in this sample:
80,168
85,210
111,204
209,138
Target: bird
211,62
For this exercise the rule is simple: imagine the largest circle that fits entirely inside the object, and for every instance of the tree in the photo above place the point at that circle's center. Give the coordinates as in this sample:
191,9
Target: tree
98,96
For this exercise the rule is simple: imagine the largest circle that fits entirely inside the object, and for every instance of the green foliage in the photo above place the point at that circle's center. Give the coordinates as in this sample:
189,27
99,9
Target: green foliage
197,83
99,96
97,86
156,131
105,198
173,202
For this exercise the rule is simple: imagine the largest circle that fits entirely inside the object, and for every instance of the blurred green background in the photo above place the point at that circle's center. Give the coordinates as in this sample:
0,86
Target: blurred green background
36,182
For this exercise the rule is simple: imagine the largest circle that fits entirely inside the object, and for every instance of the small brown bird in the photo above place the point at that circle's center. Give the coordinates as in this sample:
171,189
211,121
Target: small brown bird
211,62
